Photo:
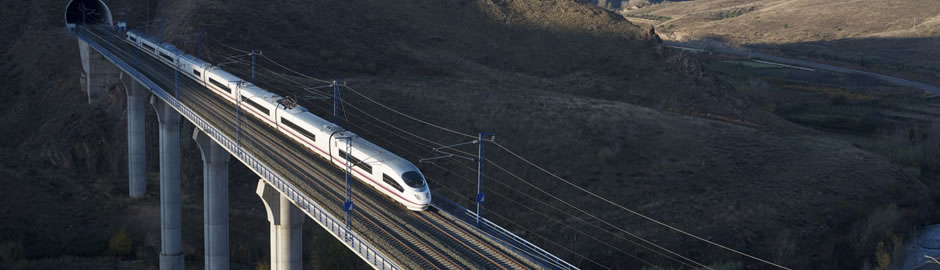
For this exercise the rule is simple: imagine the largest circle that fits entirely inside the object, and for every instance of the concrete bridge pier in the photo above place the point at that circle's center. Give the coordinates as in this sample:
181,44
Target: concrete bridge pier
98,74
215,189
286,220
136,137
171,252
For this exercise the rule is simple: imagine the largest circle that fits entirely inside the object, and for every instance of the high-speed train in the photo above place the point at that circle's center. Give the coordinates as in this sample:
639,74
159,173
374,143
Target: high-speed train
386,172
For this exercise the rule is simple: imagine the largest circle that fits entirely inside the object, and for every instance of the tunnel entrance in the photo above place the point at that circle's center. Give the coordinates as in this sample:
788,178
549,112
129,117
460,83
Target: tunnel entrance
95,12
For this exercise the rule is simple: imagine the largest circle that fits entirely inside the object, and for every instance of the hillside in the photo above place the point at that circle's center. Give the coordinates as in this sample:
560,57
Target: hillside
578,90
893,36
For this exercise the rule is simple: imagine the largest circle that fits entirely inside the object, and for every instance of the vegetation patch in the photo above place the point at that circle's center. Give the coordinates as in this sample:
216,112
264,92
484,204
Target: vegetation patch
833,92
120,244
12,252
911,147
648,16
735,12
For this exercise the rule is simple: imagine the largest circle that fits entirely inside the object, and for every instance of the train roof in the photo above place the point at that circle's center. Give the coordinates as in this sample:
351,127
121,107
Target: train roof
196,61
371,152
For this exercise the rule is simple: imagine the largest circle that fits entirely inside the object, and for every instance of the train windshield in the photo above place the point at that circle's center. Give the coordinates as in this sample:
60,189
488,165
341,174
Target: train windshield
413,179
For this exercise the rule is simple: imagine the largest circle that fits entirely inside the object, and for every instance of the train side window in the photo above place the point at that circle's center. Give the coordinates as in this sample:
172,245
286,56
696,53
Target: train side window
391,182
168,58
257,106
356,162
197,73
297,128
220,85
149,47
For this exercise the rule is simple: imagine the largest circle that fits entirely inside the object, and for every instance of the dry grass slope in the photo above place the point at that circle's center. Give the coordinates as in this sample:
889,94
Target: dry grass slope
894,36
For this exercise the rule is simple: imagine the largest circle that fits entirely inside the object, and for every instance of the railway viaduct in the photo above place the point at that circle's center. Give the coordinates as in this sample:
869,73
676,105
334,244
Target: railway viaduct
451,237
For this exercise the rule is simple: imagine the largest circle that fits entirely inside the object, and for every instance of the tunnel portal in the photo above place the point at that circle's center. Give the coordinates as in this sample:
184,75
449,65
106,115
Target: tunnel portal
96,12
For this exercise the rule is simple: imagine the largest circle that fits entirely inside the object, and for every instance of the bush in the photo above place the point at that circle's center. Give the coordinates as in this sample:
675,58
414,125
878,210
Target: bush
120,244
11,252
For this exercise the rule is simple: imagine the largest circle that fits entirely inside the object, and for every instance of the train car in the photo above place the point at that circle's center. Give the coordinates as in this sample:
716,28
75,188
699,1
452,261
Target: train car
222,83
385,172
193,67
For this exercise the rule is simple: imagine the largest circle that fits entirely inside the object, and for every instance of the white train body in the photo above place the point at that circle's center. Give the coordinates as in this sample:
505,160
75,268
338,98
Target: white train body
395,177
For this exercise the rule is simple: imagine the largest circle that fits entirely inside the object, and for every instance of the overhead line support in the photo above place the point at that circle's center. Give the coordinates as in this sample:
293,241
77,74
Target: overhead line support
481,165
348,204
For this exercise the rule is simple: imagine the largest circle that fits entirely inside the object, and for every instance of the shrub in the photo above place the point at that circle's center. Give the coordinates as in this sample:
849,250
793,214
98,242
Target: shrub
121,243
263,266
882,257
11,252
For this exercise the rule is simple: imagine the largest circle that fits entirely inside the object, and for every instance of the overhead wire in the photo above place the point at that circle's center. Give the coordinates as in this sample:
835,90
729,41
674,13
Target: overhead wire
393,126
294,71
408,116
555,208
553,242
223,44
523,159
627,209
357,93
575,229
523,205
371,132
558,221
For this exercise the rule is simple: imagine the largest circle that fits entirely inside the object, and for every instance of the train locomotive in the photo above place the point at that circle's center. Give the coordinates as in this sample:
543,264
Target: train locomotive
385,172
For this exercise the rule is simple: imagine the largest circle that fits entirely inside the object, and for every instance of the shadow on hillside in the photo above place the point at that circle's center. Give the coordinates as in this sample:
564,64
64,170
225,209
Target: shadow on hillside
420,38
